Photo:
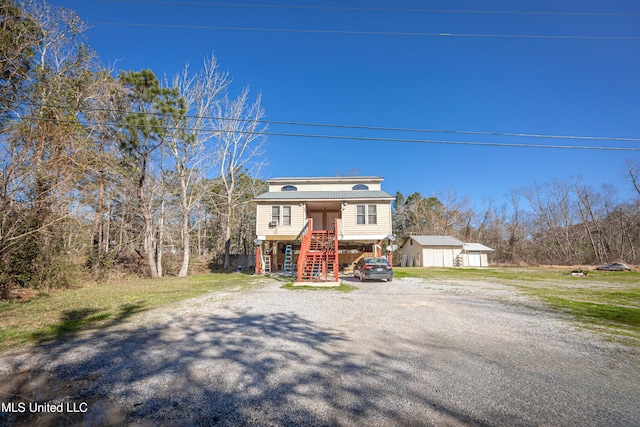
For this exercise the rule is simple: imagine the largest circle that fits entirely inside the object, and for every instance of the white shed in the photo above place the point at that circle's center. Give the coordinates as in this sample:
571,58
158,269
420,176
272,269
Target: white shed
442,251
476,255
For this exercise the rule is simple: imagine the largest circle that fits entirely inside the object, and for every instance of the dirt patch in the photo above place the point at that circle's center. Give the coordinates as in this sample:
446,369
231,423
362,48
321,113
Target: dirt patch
39,398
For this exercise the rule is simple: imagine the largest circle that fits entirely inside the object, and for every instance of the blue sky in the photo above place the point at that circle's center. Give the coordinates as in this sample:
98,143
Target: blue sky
527,84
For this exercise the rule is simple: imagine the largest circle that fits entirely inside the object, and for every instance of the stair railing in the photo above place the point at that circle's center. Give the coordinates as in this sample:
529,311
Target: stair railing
336,258
304,247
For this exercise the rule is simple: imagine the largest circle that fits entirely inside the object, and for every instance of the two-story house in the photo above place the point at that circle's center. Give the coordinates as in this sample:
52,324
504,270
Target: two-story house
317,225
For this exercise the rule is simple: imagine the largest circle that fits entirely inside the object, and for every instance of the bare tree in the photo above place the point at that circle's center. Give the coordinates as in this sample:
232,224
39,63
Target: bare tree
103,169
633,172
240,141
556,216
452,215
202,93
588,208
519,228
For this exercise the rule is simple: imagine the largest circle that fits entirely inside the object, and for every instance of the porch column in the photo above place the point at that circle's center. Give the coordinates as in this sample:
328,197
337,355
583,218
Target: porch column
259,260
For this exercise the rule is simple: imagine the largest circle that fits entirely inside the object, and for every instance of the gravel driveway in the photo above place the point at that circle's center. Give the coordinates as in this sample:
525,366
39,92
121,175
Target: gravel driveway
409,352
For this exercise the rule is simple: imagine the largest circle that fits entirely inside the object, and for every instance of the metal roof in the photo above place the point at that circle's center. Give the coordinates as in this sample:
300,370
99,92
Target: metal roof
477,247
437,241
326,195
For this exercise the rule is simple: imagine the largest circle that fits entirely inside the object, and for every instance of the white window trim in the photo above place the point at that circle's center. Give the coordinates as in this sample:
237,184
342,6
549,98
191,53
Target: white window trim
290,216
281,215
366,214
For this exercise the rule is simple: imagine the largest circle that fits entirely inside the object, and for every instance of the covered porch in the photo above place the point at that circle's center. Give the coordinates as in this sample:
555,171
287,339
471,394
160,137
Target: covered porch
315,254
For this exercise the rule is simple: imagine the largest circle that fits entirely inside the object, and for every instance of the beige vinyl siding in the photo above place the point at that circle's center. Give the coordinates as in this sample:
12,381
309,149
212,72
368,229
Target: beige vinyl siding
264,217
430,256
416,250
383,220
440,256
475,259
324,186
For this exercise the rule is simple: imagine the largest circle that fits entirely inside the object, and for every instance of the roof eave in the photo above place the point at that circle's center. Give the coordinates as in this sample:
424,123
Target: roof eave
338,199
319,179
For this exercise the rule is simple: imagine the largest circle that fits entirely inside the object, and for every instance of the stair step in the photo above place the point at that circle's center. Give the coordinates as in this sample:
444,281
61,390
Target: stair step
320,258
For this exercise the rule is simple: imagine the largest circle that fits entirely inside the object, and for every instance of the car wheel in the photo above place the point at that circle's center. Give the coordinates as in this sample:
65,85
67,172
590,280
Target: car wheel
389,279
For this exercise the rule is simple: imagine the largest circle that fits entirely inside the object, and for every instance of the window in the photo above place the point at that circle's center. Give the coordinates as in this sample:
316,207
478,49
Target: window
281,215
373,214
360,187
366,214
360,215
286,215
289,188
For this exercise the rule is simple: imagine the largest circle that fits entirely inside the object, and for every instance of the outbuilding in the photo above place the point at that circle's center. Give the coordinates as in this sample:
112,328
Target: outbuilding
442,251
476,255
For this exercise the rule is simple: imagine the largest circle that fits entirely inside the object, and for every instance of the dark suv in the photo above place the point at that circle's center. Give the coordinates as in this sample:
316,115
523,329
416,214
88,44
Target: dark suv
373,268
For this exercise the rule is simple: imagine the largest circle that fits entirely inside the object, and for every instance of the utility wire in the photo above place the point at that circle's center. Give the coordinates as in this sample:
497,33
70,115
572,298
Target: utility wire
348,137
361,127
372,9
368,33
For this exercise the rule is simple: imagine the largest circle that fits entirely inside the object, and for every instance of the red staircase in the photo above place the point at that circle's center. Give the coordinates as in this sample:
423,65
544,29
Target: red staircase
318,259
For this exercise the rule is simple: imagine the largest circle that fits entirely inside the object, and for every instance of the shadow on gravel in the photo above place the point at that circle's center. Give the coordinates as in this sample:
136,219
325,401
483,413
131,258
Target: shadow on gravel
73,321
236,368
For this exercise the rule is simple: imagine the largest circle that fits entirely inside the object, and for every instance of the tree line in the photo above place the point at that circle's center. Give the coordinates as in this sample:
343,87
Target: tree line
103,168
558,222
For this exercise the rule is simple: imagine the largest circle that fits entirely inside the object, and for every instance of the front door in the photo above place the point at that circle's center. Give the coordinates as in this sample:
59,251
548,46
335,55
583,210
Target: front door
318,219
474,259
330,220
324,220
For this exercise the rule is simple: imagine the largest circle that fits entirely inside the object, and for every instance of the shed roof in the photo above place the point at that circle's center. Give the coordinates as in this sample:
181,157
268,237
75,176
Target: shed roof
478,247
437,240
325,195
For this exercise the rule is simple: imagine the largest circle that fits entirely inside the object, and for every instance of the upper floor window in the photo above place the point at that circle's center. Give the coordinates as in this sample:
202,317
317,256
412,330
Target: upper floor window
366,214
286,215
360,187
289,188
372,217
281,215
361,215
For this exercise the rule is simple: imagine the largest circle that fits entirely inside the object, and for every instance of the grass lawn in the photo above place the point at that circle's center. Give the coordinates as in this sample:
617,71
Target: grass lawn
603,300
58,312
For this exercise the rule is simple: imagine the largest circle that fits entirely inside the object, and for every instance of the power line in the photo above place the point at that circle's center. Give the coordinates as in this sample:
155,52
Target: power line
375,9
367,33
448,142
365,127
356,138
457,132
